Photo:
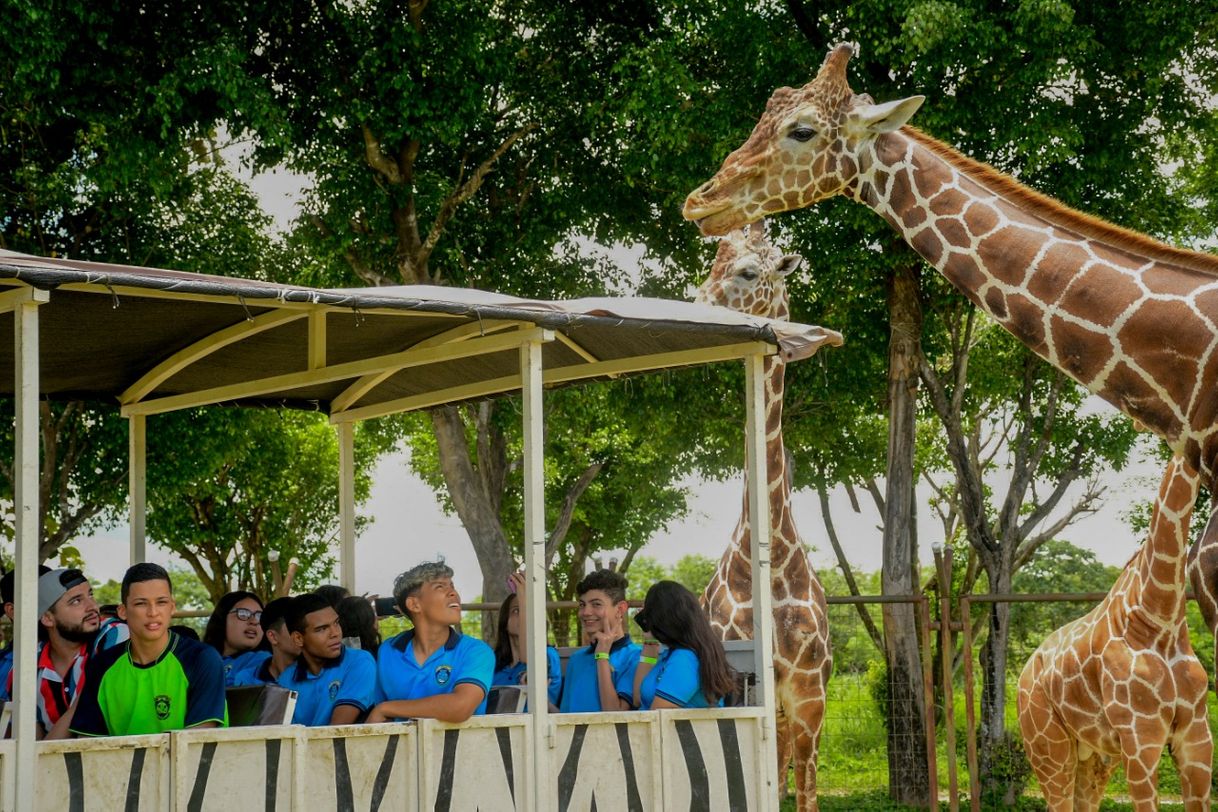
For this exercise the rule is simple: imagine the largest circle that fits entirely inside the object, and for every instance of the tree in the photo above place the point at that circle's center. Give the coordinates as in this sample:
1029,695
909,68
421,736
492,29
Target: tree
228,486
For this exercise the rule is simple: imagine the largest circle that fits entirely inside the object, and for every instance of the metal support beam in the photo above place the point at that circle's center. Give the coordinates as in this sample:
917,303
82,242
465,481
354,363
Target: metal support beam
137,483
26,508
556,375
337,372
346,503
535,570
763,611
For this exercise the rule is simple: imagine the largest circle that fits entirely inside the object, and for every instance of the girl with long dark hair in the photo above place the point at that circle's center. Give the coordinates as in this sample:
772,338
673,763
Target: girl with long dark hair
692,670
360,626
235,630
511,658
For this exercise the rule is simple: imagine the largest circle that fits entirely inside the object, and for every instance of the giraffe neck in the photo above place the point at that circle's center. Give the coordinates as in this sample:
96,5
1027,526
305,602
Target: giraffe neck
1154,580
784,539
1125,324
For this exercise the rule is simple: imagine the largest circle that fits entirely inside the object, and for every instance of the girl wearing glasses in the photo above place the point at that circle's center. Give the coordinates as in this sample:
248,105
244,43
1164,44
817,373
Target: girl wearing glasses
235,630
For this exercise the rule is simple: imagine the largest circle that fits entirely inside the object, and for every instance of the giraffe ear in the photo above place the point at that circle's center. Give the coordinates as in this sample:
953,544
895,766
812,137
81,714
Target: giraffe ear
886,117
789,264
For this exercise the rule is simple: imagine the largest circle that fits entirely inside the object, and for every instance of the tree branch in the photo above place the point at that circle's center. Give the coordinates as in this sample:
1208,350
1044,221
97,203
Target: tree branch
844,566
559,534
385,166
463,192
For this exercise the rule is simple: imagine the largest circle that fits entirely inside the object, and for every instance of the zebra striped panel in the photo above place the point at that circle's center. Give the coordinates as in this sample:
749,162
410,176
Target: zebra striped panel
481,765
104,774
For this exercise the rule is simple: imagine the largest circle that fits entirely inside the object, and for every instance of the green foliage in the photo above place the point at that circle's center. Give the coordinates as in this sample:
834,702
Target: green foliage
228,486
692,571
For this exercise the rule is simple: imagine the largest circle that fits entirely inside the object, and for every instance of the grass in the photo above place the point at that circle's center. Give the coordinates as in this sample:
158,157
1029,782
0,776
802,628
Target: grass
853,764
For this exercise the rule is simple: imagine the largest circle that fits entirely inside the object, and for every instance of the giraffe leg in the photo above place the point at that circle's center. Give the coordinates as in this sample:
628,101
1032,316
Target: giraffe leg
1192,748
1090,780
783,739
805,726
1049,745
1141,758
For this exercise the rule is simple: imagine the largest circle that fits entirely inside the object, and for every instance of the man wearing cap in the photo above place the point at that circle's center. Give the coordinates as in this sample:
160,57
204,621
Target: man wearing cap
8,595
431,671
70,631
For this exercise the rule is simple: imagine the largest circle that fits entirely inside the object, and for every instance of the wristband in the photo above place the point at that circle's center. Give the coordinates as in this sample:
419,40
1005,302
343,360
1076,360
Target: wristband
601,655
649,660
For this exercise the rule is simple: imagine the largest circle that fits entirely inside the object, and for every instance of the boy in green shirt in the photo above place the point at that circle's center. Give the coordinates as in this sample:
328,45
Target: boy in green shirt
156,681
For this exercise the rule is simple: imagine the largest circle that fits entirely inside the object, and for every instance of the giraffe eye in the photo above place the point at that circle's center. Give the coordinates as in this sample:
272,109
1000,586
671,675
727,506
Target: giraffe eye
748,276
803,134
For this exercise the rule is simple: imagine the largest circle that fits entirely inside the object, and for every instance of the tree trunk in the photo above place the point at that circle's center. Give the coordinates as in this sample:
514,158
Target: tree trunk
908,774
992,735
475,507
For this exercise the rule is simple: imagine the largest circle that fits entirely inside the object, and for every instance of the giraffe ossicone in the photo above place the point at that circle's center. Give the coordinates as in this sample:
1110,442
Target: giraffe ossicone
749,275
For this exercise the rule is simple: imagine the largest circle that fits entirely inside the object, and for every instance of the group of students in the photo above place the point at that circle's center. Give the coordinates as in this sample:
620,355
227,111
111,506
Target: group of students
138,673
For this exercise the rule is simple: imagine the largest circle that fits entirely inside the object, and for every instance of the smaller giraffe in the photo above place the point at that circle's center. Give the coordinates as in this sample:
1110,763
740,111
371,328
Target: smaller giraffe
1121,683
748,275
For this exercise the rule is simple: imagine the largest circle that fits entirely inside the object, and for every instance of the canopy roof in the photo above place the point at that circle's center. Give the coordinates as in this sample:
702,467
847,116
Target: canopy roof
160,340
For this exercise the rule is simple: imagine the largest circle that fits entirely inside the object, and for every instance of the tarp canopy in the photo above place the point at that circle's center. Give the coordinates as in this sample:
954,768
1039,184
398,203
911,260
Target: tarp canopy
159,340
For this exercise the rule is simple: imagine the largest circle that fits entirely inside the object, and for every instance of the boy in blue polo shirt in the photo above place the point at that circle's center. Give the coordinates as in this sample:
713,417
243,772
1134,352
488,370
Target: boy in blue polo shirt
601,676
334,685
431,671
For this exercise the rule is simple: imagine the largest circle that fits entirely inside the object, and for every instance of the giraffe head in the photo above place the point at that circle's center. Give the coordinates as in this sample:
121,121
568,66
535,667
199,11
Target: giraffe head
804,149
749,274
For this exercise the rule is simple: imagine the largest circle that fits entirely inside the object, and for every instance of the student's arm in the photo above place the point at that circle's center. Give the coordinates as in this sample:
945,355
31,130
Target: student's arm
205,703
454,707
87,718
610,701
651,650
59,730
358,690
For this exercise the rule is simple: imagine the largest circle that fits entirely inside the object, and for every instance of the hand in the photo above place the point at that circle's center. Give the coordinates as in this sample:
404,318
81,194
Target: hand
607,636
376,717
518,578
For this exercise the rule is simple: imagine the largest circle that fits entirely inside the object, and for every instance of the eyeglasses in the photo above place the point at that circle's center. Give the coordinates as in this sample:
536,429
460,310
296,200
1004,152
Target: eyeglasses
247,615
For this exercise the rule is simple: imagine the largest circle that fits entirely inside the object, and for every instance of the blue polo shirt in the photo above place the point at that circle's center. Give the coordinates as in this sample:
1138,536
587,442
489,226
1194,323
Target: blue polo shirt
580,691
460,659
249,668
511,674
242,664
676,677
350,679
6,666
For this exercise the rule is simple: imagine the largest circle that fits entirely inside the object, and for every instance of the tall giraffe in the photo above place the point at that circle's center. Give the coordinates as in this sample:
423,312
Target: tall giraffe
749,275
1151,692
1132,319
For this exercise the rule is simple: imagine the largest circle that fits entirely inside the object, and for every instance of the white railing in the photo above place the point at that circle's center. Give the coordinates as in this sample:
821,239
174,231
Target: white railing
656,760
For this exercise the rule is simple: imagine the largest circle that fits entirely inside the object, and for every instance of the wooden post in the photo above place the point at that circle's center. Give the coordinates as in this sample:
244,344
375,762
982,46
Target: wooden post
763,612
137,483
346,503
943,566
544,791
27,536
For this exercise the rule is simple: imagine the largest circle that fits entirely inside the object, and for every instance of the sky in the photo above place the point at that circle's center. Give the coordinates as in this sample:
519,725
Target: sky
408,525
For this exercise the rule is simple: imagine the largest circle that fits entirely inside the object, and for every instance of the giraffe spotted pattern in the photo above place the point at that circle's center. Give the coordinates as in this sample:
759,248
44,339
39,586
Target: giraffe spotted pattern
748,275
1132,319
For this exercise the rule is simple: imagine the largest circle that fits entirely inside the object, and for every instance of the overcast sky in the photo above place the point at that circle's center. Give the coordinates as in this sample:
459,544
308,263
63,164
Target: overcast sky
408,525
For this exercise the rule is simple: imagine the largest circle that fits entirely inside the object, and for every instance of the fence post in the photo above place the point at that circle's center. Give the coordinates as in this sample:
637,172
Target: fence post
928,690
970,733
943,566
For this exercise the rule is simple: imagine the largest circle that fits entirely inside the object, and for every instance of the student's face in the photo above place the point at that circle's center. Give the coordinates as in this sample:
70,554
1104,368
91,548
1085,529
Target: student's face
438,602
148,610
597,611
280,640
243,635
513,621
74,616
323,635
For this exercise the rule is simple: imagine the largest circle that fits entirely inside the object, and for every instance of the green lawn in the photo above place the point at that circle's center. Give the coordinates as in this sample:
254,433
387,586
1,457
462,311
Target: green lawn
853,771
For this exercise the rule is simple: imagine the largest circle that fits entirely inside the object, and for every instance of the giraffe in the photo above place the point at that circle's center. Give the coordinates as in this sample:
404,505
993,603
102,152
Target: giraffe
1132,319
1121,682
749,275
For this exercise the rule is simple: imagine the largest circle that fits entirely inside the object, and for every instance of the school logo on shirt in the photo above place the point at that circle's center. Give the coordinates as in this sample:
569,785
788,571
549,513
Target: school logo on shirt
334,686
161,703
443,674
